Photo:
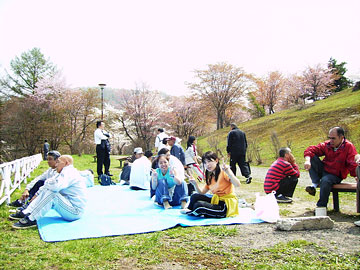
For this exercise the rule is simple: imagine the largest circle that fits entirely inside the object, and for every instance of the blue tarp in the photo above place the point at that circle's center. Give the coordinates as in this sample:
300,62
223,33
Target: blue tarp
117,210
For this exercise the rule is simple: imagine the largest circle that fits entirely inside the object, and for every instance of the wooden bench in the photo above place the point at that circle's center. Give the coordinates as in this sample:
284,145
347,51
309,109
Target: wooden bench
346,187
121,159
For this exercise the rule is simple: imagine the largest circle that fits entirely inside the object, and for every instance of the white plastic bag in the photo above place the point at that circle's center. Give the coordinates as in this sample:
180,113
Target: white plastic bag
267,208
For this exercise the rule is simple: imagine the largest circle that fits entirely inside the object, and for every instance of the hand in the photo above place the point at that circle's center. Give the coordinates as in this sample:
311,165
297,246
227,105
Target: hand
225,167
154,174
25,195
192,180
307,165
292,159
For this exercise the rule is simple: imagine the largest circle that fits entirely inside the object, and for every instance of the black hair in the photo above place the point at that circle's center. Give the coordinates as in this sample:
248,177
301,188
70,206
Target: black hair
160,129
45,140
283,151
190,141
163,151
211,156
98,123
148,153
164,141
54,154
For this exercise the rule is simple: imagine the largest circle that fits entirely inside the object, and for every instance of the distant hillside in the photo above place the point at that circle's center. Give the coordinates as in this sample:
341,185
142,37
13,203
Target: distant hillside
299,126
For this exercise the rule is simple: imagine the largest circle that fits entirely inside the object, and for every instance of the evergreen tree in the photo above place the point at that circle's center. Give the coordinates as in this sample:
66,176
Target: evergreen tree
339,70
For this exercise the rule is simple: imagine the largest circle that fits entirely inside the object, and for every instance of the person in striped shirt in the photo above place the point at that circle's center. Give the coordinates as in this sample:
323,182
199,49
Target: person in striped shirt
282,176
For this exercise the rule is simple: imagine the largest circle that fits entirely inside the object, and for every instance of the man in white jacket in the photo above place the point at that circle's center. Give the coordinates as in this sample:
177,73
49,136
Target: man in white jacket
66,193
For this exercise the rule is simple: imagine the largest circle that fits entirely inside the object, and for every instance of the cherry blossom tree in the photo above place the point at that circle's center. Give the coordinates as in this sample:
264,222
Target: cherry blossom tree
318,82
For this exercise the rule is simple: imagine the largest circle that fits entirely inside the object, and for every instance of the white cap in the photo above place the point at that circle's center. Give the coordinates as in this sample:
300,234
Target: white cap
138,150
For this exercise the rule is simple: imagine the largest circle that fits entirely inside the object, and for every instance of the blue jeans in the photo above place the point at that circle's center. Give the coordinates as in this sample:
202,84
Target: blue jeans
162,193
321,177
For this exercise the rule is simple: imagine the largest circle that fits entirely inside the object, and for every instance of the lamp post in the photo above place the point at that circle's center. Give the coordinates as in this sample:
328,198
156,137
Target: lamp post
102,85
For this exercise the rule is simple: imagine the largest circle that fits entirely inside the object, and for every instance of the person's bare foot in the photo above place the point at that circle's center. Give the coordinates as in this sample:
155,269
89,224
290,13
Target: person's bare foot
167,205
183,204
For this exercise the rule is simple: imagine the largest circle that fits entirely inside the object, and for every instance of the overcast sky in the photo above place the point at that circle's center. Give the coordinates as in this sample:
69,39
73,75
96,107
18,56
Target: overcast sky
161,42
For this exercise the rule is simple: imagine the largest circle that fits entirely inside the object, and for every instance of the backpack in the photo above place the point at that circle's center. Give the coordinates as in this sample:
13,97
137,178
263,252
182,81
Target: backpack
105,180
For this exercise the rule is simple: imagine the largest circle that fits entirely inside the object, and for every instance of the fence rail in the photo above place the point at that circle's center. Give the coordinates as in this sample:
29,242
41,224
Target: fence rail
13,173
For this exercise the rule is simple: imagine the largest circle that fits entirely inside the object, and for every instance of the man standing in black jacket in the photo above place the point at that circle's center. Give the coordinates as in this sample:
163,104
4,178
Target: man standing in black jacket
236,149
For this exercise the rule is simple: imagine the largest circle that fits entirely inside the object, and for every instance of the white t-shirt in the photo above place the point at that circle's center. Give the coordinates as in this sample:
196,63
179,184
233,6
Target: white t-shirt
140,173
190,155
158,140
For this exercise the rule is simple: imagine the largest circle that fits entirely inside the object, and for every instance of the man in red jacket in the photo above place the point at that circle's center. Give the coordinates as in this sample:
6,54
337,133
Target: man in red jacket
339,161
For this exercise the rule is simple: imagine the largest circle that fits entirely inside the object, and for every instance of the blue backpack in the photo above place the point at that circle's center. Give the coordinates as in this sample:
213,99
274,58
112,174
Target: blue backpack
105,180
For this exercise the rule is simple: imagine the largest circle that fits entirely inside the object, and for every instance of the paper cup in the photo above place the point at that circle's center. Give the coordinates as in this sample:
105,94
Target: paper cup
320,211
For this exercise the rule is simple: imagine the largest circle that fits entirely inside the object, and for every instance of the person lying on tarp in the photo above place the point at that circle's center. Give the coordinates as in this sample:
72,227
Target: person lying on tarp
221,182
66,193
169,185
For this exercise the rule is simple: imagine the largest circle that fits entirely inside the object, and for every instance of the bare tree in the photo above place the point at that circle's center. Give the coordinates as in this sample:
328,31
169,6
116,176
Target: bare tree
221,85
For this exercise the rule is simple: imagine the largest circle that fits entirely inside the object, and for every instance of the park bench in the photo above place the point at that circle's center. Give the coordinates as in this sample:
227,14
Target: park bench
345,187
121,159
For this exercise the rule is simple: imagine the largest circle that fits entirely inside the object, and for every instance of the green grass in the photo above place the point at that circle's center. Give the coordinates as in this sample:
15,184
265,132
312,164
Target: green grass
299,126
206,247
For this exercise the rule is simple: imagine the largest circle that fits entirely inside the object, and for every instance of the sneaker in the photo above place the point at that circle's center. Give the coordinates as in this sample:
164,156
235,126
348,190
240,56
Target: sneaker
17,216
24,223
283,199
16,203
311,190
248,180
357,223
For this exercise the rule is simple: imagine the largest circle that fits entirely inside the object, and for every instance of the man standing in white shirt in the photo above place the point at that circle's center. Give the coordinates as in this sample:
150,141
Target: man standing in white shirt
103,149
159,140
65,192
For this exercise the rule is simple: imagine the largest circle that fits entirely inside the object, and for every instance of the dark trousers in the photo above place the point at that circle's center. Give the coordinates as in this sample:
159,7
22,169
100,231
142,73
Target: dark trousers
35,188
243,165
321,177
287,186
201,205
103,158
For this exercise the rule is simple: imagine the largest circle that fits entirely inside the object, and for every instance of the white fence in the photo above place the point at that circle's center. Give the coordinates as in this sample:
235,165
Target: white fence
13,173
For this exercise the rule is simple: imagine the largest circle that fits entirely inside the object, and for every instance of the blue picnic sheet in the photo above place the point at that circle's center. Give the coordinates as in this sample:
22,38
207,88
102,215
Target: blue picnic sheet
117,210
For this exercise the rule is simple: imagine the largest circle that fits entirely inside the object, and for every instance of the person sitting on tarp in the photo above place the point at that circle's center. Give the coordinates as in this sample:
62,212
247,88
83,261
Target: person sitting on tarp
140,172
35,184
170,188
221,182
126,171
174,163
65,192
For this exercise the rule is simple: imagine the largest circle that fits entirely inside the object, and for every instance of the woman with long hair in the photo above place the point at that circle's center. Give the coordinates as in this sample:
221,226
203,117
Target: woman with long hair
221,182
191,161
170,188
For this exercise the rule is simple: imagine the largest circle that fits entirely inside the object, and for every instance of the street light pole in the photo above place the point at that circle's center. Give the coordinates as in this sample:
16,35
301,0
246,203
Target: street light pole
102,85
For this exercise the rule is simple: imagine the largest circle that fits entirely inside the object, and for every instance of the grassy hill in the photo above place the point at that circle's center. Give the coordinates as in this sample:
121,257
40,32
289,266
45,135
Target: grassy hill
298,126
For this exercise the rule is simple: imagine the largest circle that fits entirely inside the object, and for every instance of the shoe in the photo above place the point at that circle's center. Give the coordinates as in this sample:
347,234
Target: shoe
248,180
16,203
283,199
24,223
357,223
311,190
17,216
109,174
